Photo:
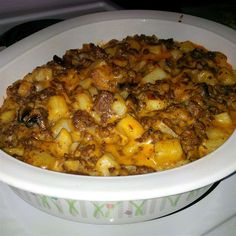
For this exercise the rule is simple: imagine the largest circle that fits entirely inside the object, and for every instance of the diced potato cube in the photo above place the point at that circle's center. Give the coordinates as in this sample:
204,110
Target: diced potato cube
15,151
83,102
207,77
119,106
44,73
120,136
39,74
124,94
168,152
107,165
176,54
155,104
110,50
210,145
86,83
41,159
76,136
72,165
156,74
156,49
62,143
73,147
131,127
216,133
24,88
226,77
39,86
221,59
216,137
131,148
65,123
93,91
134,43
140,65
187,46
10,104
223,119
7,116
57,108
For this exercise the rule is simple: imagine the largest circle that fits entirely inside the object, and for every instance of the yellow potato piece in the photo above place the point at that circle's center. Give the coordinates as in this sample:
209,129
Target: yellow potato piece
131,127
131,148
156,74
156,49
57,108
62,143
187,46
83,102
72,165
107,163
119,106
207,77
40,74
7,116
216,137
65,123
43,159
223,119
226,76
19,151
155,104
168,152
25,88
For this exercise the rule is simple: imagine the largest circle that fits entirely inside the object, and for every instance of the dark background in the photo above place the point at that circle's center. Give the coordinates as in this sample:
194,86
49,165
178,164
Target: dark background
222,11
169,5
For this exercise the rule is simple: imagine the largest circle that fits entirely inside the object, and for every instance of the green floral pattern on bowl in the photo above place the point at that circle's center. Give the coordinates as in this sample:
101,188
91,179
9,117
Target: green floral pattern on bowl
110,212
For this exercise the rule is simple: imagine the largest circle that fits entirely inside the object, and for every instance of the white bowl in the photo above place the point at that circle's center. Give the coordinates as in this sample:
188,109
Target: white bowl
114,200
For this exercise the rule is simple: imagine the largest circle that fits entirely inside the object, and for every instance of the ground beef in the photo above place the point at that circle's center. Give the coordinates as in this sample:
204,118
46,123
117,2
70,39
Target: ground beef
103,104
82,120
190,142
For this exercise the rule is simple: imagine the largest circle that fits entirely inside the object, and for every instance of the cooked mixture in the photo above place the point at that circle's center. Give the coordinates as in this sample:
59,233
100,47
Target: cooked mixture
126,107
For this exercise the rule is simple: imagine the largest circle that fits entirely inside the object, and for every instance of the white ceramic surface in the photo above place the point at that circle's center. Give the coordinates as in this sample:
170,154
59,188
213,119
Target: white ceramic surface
37,49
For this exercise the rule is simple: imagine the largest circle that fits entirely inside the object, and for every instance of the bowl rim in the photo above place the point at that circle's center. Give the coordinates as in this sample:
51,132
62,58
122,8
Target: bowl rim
192,176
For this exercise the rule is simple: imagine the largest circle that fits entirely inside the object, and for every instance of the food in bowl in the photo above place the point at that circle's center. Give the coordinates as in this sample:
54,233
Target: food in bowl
126,107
